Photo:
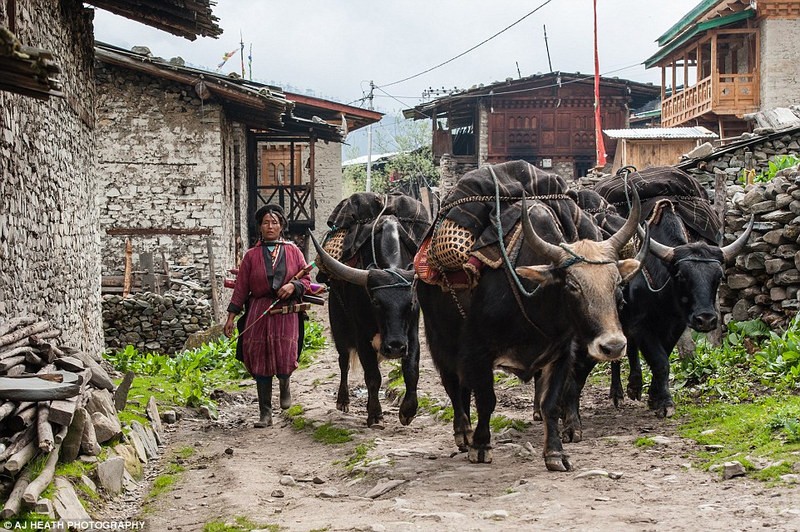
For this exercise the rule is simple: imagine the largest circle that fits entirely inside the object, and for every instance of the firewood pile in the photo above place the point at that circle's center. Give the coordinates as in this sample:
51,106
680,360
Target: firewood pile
54,401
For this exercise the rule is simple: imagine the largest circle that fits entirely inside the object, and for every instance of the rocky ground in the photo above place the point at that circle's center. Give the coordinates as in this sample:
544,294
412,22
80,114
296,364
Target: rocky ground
412,478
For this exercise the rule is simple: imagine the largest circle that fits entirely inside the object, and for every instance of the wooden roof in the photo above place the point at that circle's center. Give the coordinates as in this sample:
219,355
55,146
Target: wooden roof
185,18
459,106
261,107
332,112
25,70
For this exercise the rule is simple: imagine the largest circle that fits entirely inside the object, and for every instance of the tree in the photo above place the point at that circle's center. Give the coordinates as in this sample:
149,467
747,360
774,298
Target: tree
413,163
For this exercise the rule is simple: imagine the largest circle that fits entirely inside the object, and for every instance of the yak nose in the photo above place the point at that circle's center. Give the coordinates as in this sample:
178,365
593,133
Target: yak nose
395,349
612,349
704,322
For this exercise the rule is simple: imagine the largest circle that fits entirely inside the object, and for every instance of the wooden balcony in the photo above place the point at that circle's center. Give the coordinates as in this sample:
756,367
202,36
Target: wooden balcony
721,95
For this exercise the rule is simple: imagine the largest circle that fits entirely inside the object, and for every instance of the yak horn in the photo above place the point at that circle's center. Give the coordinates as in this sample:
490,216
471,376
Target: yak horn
534,241
662,251
645,244
338,270
621,237
730,251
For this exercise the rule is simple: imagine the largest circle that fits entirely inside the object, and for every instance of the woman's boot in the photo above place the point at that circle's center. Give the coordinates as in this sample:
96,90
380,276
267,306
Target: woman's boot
264,389
286,395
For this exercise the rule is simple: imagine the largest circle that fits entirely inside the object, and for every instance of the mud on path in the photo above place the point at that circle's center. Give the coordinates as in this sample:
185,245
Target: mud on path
435,488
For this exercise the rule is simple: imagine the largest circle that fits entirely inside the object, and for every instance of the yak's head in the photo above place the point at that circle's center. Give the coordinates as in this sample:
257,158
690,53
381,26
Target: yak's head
696,269
589,274
393,305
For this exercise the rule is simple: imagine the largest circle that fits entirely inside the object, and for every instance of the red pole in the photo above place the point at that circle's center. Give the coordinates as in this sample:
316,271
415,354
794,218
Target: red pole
598,126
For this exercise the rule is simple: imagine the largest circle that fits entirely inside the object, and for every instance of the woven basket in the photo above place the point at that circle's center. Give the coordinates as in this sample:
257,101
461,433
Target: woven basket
334,246
450,247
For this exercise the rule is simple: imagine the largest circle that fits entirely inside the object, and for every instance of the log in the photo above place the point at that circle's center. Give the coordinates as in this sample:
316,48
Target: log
24,332
14,323
22,350
38,485
89,445
22,418
14,501
20,459
18,441
71,444
60,435
15,371
126,284
11,361
6,409
44,429
38,338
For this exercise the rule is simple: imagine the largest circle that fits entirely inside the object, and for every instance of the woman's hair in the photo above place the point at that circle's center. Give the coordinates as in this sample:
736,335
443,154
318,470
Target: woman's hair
271,208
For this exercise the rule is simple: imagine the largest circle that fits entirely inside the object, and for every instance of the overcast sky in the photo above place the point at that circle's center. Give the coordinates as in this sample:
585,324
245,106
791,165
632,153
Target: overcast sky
335,47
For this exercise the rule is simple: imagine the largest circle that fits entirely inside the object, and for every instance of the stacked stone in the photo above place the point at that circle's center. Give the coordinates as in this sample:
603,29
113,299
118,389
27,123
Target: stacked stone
732,164
153,322
765,280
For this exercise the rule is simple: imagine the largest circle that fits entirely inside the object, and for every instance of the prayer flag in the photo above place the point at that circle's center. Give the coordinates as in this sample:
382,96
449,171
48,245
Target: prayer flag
227,56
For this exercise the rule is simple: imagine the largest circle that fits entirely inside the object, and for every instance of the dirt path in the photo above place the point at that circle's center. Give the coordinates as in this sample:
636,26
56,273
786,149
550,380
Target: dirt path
438,489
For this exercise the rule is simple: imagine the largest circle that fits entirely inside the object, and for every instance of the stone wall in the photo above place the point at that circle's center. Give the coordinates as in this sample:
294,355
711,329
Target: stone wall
181,168
153,322
765,280
49,227
780,55
329,184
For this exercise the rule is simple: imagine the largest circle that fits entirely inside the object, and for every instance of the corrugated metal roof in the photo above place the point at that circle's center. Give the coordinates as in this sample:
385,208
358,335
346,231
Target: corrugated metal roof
661,133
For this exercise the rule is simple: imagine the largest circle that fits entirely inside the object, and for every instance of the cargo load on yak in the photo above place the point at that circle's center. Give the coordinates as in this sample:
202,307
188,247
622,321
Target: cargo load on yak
481,207
664,187
355,219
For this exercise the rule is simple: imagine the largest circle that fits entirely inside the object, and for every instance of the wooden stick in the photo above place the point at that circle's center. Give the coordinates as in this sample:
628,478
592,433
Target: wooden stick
19,440
71,443
126,283
38,485
22,350
19,334
14,501
22,418
61,434
14,323
19,459
6,409
44,429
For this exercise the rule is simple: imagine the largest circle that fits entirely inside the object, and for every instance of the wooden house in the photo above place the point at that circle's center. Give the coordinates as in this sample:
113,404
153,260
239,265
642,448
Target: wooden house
187,156
655,146
545,119
727,58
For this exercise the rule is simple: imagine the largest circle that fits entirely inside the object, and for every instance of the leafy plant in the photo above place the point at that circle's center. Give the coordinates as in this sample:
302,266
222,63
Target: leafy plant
778,163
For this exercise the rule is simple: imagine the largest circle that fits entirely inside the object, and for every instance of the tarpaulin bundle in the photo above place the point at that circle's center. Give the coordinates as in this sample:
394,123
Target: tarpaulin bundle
471,203
659,184
356,215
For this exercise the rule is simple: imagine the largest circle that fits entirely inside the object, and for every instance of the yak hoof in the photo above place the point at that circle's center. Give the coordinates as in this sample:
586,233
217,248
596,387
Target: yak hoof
616,396
557,462
374,422
537,415
344,407
481,455
408,411
571,435
663,408
635,391
463,440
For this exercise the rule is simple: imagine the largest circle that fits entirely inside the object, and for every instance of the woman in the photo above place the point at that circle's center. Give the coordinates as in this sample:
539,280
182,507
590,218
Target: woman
269,341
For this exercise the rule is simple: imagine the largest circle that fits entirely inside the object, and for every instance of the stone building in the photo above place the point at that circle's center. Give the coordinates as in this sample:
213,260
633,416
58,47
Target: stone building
545,119
187,156
726,58
49,225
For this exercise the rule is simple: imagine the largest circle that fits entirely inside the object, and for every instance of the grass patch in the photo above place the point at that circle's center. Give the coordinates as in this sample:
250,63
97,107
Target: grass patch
644,443
161,485
185,452
240,524
501,378
500,422
359,455
331,435
766,430
435,409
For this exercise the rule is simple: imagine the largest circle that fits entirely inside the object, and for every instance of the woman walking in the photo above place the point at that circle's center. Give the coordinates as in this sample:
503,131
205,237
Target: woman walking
269,341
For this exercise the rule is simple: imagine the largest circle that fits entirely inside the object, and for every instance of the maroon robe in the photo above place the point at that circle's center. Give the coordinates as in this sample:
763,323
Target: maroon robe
269,343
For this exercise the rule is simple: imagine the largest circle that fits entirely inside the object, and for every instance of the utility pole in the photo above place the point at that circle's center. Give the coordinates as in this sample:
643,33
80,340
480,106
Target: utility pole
546,47
369,140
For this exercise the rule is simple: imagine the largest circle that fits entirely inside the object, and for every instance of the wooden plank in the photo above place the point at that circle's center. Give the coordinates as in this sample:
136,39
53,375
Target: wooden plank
126,282
213,278
62,410
155,231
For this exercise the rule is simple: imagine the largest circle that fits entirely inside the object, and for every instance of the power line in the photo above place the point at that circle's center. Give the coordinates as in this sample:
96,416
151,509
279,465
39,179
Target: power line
471,49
